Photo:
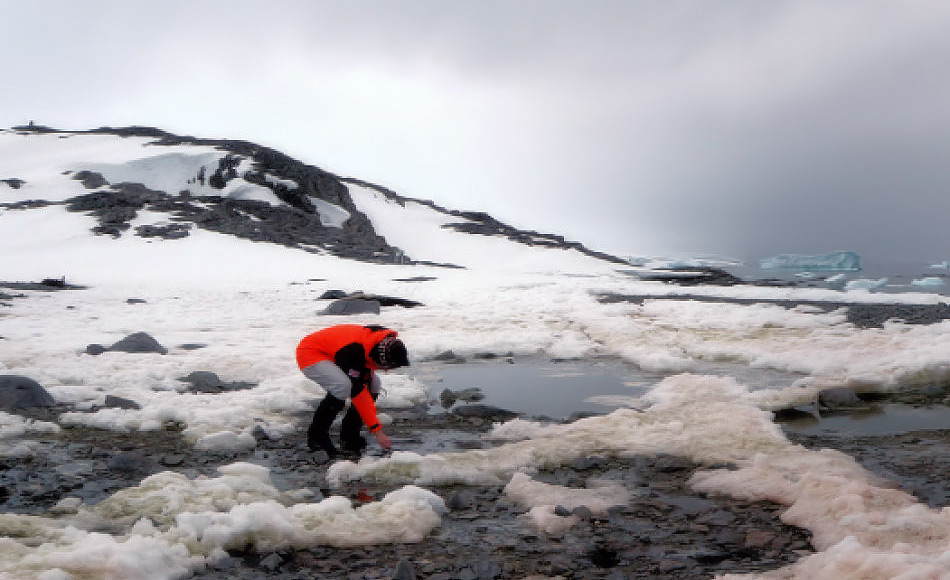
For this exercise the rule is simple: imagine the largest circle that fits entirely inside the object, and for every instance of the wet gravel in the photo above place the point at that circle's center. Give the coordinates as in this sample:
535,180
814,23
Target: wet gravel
665,531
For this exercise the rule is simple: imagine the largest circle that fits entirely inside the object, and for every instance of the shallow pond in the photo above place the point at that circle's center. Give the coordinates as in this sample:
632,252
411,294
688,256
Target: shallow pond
880,419
538,387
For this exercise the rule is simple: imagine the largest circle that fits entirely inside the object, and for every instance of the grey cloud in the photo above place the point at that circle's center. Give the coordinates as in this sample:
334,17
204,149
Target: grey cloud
739,127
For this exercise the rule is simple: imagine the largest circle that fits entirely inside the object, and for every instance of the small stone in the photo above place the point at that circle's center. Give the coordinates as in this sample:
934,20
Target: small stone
404,571
271,562
583,512
758,539
172,460
460,500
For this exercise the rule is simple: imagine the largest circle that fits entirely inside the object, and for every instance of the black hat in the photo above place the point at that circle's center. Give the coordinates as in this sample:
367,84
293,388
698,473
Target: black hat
390,353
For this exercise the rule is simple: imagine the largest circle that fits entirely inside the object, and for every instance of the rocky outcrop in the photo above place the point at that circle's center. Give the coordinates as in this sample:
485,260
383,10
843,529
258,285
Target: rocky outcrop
296,224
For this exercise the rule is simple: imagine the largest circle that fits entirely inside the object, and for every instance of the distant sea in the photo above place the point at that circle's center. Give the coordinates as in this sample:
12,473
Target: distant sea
900,275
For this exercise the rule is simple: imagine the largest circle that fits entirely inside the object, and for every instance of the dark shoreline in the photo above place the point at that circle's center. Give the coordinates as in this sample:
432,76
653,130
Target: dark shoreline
862,315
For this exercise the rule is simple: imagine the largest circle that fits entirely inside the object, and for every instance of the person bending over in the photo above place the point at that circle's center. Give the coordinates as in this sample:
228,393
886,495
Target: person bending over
343,359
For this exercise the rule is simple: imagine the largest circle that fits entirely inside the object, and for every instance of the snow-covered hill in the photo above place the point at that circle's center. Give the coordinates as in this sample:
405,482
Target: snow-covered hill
138,193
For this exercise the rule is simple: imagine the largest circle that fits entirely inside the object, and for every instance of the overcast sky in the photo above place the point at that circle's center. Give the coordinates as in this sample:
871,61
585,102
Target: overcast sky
737,127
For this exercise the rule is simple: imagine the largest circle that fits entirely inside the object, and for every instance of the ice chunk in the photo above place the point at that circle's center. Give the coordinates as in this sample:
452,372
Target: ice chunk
945,265
834,261
928,281
836,282
865,284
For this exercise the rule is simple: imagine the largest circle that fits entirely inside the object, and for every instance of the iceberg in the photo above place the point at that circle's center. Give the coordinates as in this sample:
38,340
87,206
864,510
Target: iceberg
927,281
834,261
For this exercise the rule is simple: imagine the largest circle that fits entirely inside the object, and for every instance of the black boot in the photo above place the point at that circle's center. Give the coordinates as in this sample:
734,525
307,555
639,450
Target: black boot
318,436
350,439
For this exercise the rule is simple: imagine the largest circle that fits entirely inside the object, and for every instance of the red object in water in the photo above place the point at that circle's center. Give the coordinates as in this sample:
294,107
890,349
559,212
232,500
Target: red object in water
363,496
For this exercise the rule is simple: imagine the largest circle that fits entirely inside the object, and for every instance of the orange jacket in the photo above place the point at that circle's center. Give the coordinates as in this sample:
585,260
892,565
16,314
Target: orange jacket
348,346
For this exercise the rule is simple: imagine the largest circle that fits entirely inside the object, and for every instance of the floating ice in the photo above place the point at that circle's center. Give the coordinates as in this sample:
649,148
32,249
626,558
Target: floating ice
834,261
928,281
836,282
865,284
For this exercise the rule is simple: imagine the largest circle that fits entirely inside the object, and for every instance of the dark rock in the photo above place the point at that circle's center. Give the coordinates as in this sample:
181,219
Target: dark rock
460,500
139,342
90,179
209,382
447,356
135,301
561,511
404,571
166,232
352,306
14,182
333,295
583,512
585,463
271,562
192,346
603,557
260,434
172,459
382,300
484,412
448,397
132,463
113,402
838,398
95,349
19,393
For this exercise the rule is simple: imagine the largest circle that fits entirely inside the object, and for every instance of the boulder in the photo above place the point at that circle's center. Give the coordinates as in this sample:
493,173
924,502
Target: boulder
838,398
383,300
209,382
139,342
113,402
19,393
352,306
